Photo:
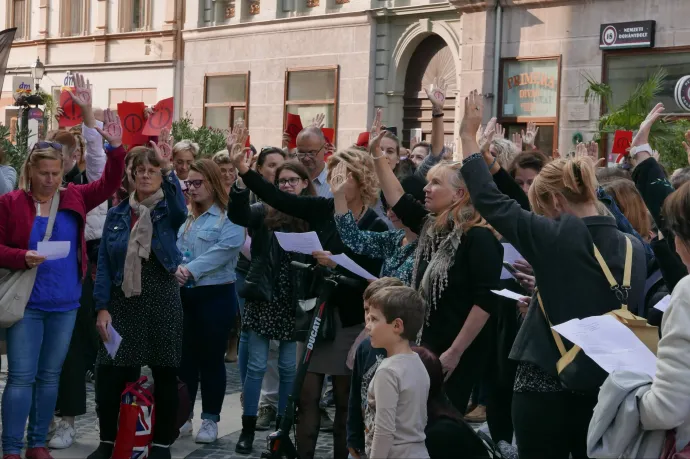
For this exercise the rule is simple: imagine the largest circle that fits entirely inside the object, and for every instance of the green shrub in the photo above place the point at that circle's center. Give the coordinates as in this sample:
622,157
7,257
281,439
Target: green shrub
210,140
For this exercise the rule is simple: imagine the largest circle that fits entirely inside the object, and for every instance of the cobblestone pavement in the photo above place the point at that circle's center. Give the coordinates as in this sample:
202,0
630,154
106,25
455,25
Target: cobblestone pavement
224,448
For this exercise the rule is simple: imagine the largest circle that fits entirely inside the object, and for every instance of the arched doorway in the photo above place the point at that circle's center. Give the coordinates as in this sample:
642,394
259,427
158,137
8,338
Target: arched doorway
431,62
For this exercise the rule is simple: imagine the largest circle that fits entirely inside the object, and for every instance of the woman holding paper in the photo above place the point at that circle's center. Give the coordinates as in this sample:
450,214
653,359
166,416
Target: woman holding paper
272,291
317,212
558,240
38,343
138,297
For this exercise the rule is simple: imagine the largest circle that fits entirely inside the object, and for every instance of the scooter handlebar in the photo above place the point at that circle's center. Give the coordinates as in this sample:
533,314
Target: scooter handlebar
340,279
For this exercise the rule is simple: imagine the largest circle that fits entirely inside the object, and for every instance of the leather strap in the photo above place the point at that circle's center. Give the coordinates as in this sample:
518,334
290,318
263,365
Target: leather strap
556,336
621,290
53,213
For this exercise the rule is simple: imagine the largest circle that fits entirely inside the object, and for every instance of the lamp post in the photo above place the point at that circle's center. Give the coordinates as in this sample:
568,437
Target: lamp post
35,99
37,72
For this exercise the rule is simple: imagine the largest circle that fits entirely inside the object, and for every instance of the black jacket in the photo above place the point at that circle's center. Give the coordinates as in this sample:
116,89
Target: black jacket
266,253
318,213
561,252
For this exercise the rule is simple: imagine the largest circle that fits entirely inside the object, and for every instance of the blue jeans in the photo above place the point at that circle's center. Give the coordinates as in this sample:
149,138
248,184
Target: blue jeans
253,358
36,348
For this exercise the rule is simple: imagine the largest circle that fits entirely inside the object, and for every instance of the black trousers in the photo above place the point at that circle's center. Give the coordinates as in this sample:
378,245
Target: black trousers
80,356
500,375
552,424
468,373
111,381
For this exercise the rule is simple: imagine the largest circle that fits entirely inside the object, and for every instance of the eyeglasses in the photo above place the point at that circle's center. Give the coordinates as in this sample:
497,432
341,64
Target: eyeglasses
311,154
194,183
149,173
292,181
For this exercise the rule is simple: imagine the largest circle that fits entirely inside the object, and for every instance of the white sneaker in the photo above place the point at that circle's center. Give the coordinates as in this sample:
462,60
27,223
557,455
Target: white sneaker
53,427
208,433
186,429
64,436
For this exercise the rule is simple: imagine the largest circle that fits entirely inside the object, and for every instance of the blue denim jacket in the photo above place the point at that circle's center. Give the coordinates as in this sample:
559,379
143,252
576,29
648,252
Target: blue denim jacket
167,217
214,243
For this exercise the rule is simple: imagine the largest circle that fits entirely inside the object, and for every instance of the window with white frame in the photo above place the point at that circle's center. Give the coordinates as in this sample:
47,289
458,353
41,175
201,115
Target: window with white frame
135,15
226,99
311,91
73,18
19,18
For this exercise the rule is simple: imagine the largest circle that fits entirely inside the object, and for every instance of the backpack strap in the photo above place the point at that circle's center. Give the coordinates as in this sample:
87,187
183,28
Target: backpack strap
623,290
556,337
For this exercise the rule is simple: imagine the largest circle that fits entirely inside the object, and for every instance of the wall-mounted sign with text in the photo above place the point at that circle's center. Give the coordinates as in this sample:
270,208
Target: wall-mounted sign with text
638,34
530,88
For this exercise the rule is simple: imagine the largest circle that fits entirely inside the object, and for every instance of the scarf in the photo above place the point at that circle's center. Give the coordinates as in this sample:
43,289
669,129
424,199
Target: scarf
437,248
139,245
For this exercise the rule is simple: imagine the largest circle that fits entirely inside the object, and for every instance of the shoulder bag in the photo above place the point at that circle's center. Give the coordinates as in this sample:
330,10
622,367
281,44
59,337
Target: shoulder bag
578,372
16,285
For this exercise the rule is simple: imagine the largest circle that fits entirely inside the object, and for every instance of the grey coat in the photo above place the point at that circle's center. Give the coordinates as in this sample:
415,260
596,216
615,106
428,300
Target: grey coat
615,430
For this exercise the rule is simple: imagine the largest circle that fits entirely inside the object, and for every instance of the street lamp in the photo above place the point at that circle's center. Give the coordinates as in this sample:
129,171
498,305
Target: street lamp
37,71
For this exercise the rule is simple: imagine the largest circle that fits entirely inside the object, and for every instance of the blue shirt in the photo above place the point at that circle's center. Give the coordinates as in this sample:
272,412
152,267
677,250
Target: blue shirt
58,284
214,244
323,189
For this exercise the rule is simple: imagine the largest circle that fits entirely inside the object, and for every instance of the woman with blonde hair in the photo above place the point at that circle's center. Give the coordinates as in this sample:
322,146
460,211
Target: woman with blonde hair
210,245
457,264
559,239
329,357
38,343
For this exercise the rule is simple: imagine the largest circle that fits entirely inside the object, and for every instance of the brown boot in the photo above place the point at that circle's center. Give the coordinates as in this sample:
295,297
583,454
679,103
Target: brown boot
478,415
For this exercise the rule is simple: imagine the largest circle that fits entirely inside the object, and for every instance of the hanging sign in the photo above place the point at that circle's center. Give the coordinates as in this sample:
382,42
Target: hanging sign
623,35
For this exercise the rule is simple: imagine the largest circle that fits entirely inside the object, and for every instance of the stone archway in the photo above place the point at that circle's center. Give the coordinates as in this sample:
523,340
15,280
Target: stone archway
403,52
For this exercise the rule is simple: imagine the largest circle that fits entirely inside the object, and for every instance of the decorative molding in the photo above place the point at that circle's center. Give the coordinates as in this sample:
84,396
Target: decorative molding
341,2
230,11
469,6
60,68
91,38
312,3
254,6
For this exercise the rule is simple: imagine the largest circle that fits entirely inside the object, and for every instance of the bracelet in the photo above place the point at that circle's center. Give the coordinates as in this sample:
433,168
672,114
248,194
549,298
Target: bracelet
437,115
472,157
493,163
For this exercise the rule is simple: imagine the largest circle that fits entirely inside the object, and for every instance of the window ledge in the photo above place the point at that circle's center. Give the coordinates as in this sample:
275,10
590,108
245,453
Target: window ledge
483,5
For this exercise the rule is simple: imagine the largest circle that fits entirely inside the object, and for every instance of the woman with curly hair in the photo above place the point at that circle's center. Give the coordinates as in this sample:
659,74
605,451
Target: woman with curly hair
329,356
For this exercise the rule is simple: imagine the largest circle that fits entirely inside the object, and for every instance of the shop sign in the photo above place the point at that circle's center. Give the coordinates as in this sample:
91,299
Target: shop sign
622,35
21,86
530,88
682,93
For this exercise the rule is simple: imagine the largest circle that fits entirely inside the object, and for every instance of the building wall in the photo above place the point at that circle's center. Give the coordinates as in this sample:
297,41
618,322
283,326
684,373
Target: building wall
267,50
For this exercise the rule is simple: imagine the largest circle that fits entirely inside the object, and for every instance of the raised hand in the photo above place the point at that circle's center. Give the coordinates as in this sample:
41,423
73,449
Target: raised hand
59,113
530,136
516,138
317,122
165,144
500,132
339,178
82,92
642,136
112,128
235,144
376,134
472,118
437,96
488,133
286,140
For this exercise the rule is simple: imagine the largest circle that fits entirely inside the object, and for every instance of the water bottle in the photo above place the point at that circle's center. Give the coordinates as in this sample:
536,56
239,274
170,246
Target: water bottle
186,258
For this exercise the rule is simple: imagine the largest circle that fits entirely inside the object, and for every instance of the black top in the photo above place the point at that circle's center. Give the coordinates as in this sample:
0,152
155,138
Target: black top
446,438
474,273
561,252
318,213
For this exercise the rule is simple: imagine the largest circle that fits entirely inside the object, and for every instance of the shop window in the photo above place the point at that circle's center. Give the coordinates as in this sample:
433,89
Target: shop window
19,18
135,15
624,72
73,14
530,92
226,98
309,92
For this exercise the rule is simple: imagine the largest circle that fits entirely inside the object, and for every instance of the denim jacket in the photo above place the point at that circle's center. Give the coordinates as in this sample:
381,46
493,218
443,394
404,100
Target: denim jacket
167,217
214,244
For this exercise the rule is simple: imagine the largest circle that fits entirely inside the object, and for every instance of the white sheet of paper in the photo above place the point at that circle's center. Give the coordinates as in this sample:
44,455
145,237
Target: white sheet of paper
510,255
347,263
612,345
663,304
54,250
305,243
508,294
113,344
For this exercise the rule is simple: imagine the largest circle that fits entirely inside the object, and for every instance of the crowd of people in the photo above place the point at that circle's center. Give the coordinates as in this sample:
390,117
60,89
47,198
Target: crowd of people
178,255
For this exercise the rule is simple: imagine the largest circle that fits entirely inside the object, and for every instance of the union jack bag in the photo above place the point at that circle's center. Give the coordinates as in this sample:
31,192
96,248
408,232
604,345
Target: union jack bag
135,425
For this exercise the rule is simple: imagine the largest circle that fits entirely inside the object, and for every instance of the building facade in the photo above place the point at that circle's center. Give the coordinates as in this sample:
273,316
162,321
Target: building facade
127,48
259,60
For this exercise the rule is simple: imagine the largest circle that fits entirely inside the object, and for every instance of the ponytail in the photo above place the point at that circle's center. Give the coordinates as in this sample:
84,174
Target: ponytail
573,178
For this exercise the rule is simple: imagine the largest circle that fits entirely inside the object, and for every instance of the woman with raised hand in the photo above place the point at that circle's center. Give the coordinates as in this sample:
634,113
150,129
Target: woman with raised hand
210,245
272,291
329,357
558,239
38,343
136,290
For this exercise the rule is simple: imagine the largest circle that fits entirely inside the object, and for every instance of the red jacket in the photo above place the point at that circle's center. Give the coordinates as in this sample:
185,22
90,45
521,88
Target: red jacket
17,211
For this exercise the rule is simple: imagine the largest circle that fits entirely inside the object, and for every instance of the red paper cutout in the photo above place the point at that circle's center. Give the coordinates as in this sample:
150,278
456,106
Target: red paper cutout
293,126
247,144
621,142
363,139
72,112
161,117
132,117
329,134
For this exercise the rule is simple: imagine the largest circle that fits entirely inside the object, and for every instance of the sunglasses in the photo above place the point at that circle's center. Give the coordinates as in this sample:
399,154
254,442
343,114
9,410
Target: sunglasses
194,183
43,145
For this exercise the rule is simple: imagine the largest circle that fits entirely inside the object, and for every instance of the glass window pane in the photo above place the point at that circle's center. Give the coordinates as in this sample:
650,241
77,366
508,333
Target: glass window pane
544,141
624,73
218,117
239,114
308,112
311,85
530,88
19,18
227,88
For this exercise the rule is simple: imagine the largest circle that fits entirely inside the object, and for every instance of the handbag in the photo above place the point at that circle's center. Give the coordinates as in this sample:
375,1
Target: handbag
136,422
578,372
16,285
